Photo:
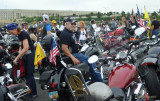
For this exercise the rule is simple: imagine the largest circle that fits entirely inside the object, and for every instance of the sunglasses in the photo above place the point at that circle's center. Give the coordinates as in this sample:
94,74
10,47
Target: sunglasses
73,24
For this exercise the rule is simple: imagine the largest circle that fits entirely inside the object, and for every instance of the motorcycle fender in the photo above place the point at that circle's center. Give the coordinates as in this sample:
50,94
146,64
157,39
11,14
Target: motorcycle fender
45,78
143,69
148,61
18,89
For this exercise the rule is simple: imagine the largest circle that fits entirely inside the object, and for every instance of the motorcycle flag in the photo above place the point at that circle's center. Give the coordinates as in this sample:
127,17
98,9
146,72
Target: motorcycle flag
140,22
53,52
132,16
39,55
147,20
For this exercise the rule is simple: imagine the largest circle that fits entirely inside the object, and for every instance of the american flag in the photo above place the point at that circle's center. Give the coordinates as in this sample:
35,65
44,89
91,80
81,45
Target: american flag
132,16
53,52
107,41
140,22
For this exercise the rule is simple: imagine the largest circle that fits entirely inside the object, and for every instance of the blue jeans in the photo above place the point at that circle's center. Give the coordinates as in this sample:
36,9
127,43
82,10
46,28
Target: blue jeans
155,32
29,67
95,74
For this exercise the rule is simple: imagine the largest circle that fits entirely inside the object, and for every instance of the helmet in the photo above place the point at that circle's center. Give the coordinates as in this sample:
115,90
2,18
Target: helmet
46,42
45,16
100,91
32,27
92,21
53,21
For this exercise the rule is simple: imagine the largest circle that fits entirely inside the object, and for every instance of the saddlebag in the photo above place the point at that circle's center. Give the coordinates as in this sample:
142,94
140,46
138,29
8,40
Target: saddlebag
45,79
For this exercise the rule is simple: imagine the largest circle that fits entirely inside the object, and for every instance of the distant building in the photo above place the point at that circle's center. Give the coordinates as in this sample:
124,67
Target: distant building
6,14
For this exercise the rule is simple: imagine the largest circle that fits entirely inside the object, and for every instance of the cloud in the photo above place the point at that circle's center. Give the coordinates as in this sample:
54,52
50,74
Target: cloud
82,5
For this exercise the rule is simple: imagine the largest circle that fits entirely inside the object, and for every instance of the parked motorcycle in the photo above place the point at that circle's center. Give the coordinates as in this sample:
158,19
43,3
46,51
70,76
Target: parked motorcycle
10,91
125,75
149,70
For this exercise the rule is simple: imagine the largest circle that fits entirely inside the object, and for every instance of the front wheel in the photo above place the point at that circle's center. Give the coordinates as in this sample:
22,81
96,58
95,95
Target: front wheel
152,83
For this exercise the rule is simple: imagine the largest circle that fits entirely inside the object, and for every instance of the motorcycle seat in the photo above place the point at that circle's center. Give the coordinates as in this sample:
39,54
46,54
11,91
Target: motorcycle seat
81,67
67,60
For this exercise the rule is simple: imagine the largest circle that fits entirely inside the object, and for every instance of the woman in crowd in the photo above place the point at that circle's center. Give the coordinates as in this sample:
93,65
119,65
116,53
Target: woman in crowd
84,34
26,50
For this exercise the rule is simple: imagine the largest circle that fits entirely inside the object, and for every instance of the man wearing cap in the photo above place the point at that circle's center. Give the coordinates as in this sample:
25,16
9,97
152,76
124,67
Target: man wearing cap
47,30
54,28
68,40
25,26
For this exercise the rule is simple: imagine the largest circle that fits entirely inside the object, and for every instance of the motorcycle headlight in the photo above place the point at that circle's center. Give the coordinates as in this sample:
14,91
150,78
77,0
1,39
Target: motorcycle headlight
121,55
8,66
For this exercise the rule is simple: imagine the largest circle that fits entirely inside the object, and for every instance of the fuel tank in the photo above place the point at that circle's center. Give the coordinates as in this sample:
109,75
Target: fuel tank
121,76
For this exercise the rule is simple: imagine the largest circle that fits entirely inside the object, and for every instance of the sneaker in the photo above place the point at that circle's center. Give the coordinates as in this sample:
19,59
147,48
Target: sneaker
34,96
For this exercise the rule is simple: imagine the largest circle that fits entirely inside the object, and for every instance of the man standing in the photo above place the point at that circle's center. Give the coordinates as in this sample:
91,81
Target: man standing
155,26
46,26
25,26
68,39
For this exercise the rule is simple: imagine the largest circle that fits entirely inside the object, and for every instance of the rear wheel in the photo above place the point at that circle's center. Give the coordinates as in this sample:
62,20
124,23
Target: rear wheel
152,83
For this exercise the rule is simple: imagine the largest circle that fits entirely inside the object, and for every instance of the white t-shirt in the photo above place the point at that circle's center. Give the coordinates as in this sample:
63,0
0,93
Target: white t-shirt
94,26
61,28
83,35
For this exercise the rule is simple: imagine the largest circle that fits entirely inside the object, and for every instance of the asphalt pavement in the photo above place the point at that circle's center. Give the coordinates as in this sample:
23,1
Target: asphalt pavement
42,94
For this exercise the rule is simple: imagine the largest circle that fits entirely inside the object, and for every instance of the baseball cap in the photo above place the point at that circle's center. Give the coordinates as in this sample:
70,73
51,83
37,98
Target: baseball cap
70,19
45,16
53,21
12,26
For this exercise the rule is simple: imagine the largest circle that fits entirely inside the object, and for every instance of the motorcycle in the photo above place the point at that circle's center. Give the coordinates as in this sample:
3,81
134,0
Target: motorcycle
72,83
125,74
10,91
149,69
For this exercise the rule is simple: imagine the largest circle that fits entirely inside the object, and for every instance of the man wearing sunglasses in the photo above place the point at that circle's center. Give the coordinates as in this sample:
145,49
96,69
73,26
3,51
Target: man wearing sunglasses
68,41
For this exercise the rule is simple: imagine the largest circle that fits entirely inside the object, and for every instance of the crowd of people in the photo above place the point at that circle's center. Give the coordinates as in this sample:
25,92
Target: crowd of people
71,33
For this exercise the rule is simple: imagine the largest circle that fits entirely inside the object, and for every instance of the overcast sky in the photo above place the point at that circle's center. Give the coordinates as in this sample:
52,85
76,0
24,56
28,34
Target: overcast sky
83,5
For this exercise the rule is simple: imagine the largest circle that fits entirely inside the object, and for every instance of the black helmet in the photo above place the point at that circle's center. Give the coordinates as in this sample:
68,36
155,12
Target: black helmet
46,42
32,27
92,21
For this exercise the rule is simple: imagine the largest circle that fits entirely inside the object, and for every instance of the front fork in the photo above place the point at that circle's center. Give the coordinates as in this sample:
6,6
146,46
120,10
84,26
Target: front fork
137,91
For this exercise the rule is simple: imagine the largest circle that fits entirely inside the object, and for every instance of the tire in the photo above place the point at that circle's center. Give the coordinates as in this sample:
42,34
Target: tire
152,83
25,98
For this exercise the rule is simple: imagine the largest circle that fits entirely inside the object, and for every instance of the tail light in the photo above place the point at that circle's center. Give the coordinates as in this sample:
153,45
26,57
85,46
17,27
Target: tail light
53,93
53,86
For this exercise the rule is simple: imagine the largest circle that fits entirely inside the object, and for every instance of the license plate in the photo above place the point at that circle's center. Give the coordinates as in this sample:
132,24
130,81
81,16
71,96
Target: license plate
53,95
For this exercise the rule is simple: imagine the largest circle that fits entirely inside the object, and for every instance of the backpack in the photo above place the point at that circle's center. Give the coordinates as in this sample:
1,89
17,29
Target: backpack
19,67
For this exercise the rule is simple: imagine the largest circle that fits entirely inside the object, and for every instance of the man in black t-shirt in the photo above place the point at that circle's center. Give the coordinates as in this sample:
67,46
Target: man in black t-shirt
68,40
155,26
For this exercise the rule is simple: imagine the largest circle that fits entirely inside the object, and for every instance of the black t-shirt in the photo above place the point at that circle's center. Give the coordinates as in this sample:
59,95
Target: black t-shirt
24,35
156,24
69,38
